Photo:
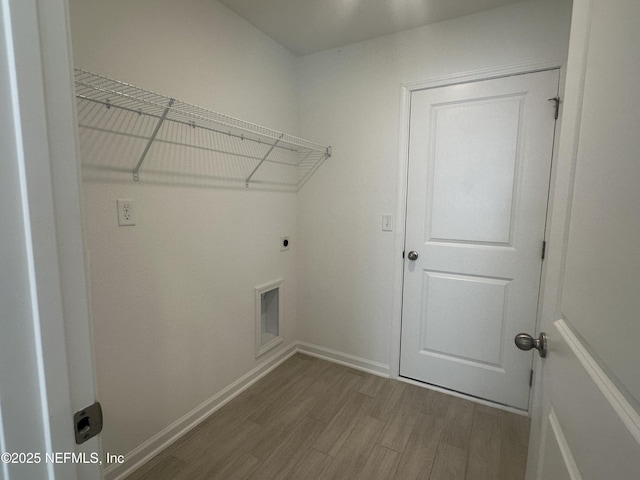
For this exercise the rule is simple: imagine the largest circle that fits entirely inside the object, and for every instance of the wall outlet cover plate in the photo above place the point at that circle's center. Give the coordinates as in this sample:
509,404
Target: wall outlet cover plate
126,212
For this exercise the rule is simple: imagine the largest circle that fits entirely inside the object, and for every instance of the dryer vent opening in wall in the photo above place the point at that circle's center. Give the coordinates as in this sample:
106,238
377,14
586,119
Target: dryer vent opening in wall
267,317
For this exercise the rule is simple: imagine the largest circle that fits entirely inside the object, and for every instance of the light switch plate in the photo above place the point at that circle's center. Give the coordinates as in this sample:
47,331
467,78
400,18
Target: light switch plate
387,222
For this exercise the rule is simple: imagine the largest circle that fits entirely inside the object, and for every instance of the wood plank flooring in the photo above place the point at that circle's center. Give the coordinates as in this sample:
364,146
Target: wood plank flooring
312,419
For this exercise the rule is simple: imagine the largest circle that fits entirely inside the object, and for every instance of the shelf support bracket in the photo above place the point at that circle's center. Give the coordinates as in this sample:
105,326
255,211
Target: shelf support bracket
151,139
246,182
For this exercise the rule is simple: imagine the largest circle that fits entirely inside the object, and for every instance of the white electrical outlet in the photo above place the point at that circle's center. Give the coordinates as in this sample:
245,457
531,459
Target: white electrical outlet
126,213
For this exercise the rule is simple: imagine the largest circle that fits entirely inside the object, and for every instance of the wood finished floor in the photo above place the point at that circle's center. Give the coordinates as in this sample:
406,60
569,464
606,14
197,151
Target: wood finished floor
312,419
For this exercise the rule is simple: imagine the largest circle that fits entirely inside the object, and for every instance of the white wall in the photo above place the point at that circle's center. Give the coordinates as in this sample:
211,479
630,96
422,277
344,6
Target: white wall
173,297
350,99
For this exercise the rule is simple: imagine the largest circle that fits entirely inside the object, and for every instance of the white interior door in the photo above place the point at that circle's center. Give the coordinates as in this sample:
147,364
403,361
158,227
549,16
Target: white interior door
46,361
479,165
586,416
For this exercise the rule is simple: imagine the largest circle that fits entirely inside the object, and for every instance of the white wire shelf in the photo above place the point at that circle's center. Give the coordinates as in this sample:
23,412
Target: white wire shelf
137,126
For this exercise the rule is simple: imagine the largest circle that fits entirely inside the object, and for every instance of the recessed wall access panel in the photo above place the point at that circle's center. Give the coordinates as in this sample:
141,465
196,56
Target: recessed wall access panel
268,317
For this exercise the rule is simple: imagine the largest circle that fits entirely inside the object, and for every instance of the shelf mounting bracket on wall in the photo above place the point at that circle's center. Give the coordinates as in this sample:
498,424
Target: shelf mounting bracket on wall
151,139
246,182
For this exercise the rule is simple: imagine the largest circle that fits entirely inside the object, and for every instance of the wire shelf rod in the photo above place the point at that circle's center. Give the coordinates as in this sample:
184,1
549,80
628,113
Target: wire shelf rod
215,150
136,95
128,97
228,137
186,123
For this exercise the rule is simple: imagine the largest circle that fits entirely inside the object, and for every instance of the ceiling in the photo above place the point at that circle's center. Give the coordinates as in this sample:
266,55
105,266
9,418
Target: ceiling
309,26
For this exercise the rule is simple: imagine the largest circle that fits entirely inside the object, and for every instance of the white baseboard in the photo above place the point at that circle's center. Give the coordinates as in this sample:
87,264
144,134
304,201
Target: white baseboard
145,452
345,359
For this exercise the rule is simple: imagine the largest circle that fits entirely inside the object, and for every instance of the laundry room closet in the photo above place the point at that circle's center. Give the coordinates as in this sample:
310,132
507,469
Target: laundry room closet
173,295
218,220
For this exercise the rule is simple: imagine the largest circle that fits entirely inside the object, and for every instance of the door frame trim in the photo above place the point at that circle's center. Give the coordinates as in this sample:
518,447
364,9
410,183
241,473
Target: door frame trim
37,34
406,89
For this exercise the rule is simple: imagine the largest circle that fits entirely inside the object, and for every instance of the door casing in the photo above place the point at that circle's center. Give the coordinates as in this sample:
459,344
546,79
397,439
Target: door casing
39,62
549,297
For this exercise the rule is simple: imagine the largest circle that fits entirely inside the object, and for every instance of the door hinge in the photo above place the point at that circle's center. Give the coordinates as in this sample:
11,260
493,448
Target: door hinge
402,253
544,248
557,100
531,378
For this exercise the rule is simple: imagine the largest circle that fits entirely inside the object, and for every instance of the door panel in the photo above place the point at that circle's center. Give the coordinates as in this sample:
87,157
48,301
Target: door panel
586,420
479,162
558,460
473,175
596,429
445,331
